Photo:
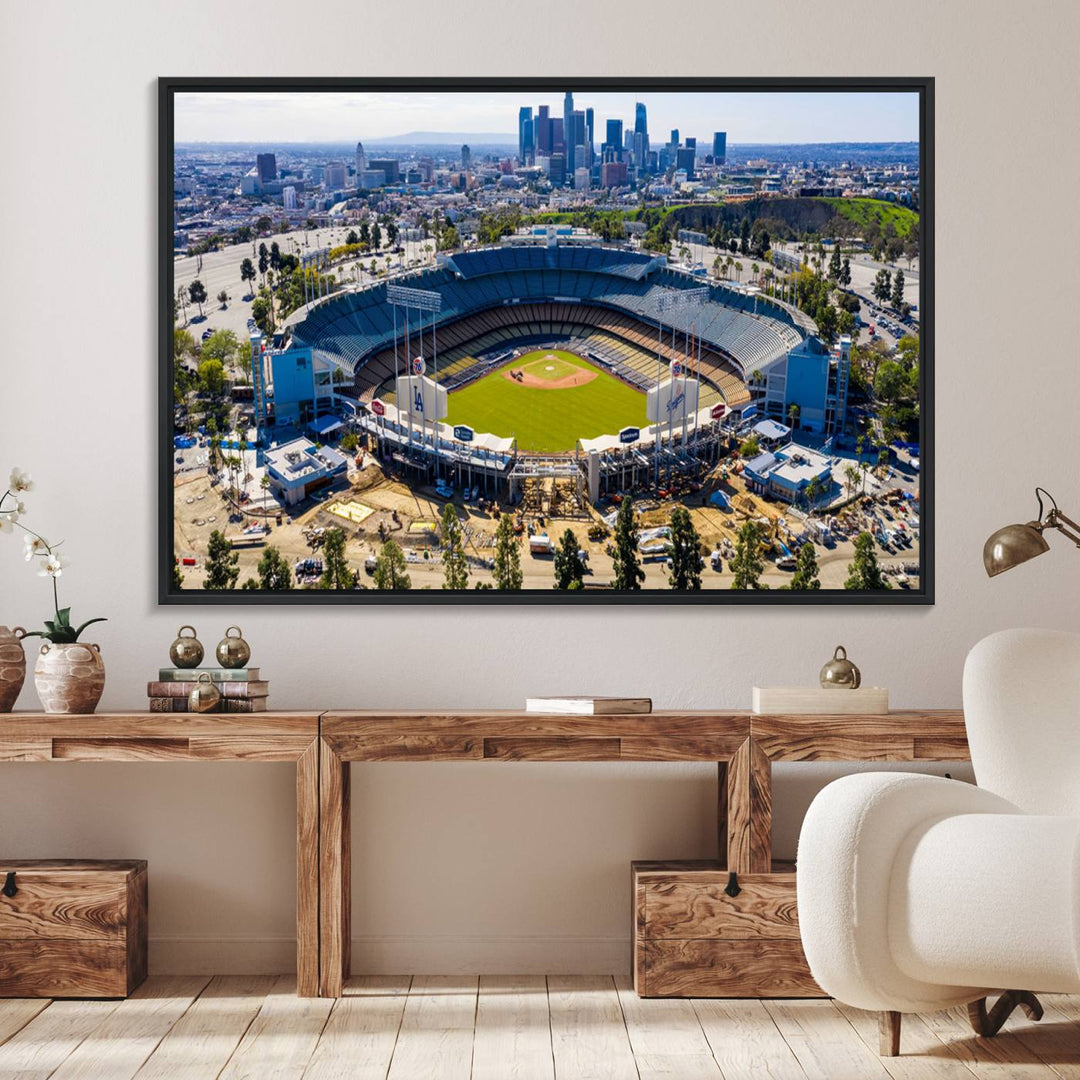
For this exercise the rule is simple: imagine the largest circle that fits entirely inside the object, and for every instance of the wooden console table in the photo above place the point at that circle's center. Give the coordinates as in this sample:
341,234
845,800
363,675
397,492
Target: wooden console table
260,737
743,746
322,745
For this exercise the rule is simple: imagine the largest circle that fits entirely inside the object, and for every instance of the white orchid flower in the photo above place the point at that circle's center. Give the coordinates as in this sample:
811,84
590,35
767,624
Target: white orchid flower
53,566
20,481
34,545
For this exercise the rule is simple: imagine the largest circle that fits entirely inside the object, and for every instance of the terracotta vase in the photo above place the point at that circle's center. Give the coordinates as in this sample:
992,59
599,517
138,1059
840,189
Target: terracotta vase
12,666
69,678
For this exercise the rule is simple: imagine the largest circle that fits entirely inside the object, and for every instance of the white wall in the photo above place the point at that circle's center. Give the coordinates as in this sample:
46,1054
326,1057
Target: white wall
494,867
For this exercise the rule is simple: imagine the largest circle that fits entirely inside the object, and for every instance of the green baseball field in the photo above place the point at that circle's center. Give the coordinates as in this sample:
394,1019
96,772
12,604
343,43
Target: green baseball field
547,400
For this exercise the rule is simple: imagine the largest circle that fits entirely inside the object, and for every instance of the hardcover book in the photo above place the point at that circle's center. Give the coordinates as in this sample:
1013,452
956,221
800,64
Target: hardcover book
588,706
226,689
179,674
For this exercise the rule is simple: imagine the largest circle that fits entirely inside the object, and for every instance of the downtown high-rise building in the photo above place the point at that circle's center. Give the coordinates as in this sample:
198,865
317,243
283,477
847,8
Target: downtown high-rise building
361,161
525,134
614,139
568,130
590,143
266,167
542,132
466,158
641,127
674,137
719,147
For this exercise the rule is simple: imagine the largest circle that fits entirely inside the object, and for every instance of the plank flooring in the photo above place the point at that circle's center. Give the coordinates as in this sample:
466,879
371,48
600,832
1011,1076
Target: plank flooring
523,1027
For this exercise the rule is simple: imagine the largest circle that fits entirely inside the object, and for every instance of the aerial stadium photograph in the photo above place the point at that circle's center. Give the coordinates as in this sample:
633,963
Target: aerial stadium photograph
510,342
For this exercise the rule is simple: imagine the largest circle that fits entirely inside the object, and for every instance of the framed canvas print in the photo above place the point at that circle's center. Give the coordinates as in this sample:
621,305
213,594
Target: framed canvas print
538,340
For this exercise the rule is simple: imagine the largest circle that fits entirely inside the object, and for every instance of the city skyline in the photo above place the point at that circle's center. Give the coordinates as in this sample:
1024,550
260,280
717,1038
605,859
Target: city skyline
748,117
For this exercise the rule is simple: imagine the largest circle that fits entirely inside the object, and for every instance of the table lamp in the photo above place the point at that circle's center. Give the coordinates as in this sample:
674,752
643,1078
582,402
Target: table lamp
1014,544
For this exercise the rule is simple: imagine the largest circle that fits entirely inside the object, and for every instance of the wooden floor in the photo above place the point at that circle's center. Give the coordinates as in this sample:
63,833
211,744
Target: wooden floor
514,1028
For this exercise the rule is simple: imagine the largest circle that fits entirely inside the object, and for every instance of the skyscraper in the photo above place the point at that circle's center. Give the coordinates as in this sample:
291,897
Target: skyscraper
466,157
524,121
590,144
530,143
614,137
543,131
719,147
674,136
684,160
641,127
361,161
568,130
266,164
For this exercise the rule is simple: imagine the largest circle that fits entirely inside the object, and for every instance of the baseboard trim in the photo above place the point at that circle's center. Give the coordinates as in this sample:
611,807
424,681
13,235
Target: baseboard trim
393,954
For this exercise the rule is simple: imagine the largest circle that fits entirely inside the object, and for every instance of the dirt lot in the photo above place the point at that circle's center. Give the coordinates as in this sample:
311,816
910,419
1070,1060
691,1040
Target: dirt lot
403,513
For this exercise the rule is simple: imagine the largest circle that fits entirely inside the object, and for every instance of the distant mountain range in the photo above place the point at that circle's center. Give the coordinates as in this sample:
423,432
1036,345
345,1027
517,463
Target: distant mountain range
443,138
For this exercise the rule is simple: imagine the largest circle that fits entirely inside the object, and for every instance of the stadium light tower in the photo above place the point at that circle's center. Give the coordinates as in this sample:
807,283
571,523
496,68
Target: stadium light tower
670,300
420,300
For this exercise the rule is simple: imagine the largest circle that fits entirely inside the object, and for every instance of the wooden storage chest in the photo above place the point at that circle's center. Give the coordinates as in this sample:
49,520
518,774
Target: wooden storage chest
71,928
693,939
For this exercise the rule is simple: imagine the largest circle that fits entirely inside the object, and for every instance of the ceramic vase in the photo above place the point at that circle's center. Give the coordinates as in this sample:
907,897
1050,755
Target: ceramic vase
69,678
12,666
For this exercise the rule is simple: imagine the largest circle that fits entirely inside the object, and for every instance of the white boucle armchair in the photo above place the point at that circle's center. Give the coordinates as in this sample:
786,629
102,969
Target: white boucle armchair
918,893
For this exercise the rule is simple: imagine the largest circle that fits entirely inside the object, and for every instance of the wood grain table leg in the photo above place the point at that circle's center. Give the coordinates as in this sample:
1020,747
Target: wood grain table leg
334,872
722,813
307,872
749,810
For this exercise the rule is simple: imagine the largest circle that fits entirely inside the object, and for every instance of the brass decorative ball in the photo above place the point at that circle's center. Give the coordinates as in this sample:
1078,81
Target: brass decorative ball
186,651
233,652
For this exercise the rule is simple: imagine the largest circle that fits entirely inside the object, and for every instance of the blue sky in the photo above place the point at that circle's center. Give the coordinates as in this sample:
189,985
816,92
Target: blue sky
746,117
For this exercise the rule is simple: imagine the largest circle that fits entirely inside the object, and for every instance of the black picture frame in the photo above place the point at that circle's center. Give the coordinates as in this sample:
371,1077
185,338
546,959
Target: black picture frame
168,87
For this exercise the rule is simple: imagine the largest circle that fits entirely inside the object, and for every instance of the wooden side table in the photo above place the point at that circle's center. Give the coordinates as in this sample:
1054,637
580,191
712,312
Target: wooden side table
258,737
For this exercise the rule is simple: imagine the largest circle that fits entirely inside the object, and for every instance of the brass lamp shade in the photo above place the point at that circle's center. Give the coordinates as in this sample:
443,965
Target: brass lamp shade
1012,545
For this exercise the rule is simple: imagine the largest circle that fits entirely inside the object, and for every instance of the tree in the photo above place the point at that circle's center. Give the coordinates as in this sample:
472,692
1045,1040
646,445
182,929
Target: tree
197,293
892,382
365,233
852,476
628,572
183,344
750,448
898,289
827,320
747,564
507,568
336,572
845,273
352,237
391,233
864,572
221,569
805,578
264,260
220,345
684,552
882,288
275,574
793,415
390,569
275,255
247,274
455,564
177,577
836,269
212,378
376,237
569,568
223,299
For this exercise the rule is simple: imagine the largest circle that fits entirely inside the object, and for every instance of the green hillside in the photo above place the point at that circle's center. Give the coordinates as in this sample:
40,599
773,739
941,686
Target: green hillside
860,212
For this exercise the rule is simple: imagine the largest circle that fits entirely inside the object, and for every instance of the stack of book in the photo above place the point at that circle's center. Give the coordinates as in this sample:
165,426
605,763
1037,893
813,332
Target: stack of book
241,689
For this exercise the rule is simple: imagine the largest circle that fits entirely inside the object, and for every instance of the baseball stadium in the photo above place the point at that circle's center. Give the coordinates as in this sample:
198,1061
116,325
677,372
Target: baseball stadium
598,364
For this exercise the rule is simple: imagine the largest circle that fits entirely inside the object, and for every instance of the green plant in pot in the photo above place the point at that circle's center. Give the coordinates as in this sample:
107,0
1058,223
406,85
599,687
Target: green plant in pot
69,674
